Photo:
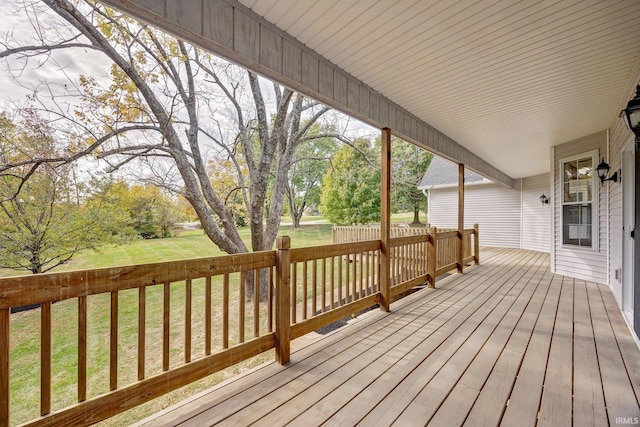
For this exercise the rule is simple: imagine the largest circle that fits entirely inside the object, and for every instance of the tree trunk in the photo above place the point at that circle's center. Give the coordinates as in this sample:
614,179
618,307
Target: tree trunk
295,217
263,288
416,215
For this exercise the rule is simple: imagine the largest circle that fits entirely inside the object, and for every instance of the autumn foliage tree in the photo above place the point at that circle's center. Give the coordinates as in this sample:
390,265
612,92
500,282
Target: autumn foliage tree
43,220
172,107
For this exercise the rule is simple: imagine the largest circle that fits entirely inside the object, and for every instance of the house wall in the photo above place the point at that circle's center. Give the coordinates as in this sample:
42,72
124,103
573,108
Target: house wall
508,217
498,227
582,263
536,218
619,139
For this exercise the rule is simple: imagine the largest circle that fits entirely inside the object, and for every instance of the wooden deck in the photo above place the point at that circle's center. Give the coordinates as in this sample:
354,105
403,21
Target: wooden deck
506,343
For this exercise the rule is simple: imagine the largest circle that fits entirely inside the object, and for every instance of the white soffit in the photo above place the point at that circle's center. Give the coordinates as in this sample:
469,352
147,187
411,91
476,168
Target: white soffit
506,79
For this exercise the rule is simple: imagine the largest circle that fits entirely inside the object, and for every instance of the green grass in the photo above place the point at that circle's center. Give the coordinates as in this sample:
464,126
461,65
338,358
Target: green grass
25,327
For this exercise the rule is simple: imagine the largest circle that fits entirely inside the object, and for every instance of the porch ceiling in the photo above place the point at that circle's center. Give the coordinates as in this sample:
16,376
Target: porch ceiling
506,79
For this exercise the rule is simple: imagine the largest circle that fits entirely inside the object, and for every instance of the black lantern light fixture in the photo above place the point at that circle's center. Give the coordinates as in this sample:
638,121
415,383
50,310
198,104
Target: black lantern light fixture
632,116
603,172
544,200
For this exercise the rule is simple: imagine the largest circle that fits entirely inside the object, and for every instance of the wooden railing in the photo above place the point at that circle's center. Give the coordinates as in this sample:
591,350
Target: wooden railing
171,307
361,233
247,328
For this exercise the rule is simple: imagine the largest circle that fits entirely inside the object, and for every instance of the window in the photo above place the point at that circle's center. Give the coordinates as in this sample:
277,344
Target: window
579,193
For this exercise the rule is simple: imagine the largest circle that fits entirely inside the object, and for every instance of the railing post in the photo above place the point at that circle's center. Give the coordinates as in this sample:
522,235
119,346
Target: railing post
460,218
283,309
385,219
431,256
476,245
4,367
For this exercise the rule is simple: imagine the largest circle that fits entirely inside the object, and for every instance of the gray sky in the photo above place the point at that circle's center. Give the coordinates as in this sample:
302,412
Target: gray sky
57,69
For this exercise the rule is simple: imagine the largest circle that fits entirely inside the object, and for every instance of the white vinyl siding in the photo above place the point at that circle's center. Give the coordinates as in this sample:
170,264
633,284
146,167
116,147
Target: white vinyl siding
581,263
619,138
494,207
536,217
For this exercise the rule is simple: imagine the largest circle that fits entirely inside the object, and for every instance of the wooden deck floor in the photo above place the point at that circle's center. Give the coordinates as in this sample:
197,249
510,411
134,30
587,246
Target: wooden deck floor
506,343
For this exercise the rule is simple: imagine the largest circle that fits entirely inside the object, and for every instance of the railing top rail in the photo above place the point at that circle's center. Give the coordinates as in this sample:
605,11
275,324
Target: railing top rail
447,234
407,240
327,251
34,289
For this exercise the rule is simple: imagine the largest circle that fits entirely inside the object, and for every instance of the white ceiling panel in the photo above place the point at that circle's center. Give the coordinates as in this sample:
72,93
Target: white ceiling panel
507,79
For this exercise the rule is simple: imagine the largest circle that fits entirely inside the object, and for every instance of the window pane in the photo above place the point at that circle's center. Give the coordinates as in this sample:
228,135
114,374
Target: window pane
585,176
577,225
570,171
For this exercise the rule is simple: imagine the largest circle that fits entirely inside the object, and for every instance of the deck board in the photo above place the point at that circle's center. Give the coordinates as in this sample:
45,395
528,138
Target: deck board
506,343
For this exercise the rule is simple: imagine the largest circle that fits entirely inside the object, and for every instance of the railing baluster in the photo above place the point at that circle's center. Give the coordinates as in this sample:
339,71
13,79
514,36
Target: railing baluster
314,284
369,275
347,281
361,282
166,333
256,303
113,343
241,305
188,290
340,300
225,311
354,285
304,290
324,285
45,358
207,315
332,274
82,348
294,288
4,367
270,308
142,315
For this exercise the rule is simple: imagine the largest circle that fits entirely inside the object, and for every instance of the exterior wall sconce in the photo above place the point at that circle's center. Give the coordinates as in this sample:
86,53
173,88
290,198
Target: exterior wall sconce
632,116
544,200
603,171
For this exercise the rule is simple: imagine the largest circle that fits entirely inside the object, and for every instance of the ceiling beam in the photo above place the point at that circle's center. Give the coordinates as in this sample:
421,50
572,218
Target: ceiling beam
236,33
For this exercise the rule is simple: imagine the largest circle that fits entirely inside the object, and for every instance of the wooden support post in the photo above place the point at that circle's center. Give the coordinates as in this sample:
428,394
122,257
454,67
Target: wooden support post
385,219
476,245
4,367
432,260
283,310
460,218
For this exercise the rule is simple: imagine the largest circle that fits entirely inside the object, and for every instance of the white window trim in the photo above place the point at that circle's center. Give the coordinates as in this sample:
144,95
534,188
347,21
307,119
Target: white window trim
595,219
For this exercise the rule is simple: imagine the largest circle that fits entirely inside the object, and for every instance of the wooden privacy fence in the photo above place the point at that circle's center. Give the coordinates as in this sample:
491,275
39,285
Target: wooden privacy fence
171,308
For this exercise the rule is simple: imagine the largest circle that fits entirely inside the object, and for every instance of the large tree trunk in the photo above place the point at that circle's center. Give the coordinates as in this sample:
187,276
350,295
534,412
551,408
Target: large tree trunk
416,215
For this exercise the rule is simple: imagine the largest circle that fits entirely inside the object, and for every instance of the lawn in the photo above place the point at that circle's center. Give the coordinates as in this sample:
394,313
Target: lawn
25,336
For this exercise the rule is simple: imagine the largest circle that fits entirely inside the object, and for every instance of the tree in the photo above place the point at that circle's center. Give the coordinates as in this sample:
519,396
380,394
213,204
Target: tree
43,223
351,189
411,162
154,110
311,162
151,213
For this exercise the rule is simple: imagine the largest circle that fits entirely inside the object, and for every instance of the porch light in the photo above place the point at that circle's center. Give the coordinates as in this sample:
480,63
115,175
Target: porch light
544,200
632,115
603,171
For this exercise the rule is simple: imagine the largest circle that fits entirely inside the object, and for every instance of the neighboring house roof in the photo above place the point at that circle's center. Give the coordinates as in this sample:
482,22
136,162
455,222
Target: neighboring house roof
443,172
